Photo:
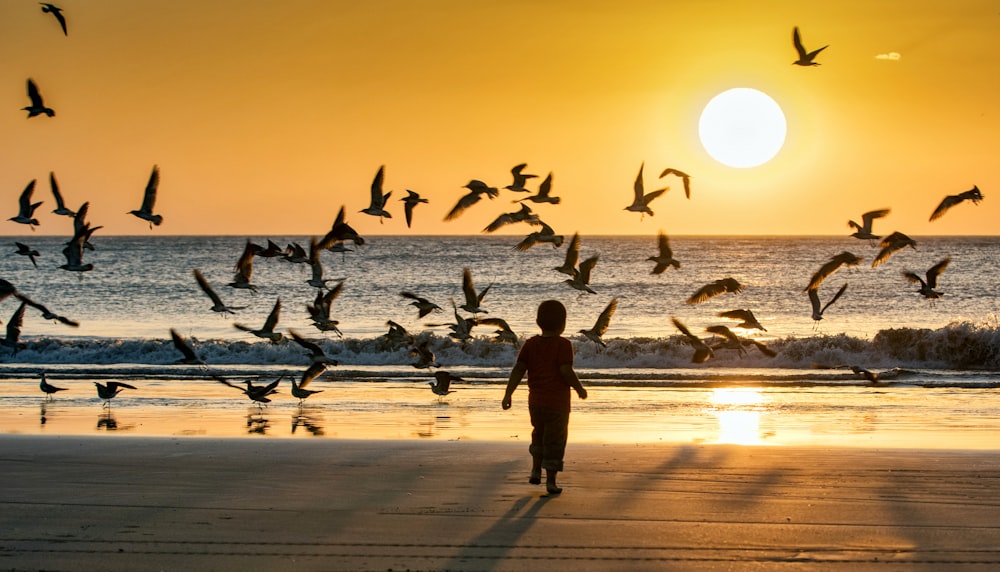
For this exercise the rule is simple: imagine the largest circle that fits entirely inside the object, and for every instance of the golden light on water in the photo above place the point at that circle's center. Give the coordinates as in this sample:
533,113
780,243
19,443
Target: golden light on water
738,410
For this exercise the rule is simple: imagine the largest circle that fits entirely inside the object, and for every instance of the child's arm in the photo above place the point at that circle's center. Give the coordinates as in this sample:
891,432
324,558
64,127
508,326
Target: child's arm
566,370
516,375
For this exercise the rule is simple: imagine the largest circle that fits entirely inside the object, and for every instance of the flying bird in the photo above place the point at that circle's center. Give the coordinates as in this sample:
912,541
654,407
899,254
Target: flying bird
397,334
864,230
685,178
423,305
461,328
267,330
503,331
702,352
733,342
972,194
544,193
60,205
217,305
37,106
341,231
441,385
13,338
519,179
892,244
843,259
271,251
477,189
81,225
47,388
316,353
805,58
714,289
46,313
145,212
257,393
25,250
312,372
410,201
425,357
665,259
316,279
523,215
581,280
295,254
189,357
109,391
57,12
545,235
26,208
319,310
376,207
473,300
74,250
927,288
244,268
572,257
747,320
641,200
817,311
601,325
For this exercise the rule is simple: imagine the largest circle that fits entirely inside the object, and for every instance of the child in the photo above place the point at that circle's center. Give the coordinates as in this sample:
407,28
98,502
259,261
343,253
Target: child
548,361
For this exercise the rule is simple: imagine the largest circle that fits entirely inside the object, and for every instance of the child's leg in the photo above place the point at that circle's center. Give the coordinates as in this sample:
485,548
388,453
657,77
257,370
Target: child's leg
536,448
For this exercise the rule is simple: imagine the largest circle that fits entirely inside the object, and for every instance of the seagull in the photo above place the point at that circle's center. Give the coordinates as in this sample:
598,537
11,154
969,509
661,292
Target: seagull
546,234
80,224
312,372
271,251
6,289
425,357
714,289
601,325
190,357
734,342
57,12
411,200
37,107
473,300
145,212
316,353
747,320
477,189
26,209
295,254
702,352
74,251
640,204
665,259
217,305
267,330
25,250
927,288
805,58
972,194
377,205
397,335
46,313
13,338
503,332
48,388
864,230
319,310
109,391
341,231
60,205
843,259
572,257
685,178
891,244
460,329
581,280
441,385
544,193
523,215
244,268
257,393
865,373
423,305
316,265
519,179
817,311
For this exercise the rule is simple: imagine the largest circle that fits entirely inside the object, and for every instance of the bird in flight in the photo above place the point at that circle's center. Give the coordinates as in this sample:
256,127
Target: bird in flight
25,250
714,289
817,310
892,244
473,301
805,58
376,207
109,391
145,212
544,193
26,208
863,231
37,106
60,205
927,288
182,346
257,393
596,333
685,178
665,259
341,231
441,385
410,201
702,352
13,338
319,310
477,189
267,330
733,342
312,372
57,12
641,200
423,305
546,234
46,313
74,250
973,194
747,320
316,353
572,257
217,305
581,278
523,215
843,259
244,268
520,179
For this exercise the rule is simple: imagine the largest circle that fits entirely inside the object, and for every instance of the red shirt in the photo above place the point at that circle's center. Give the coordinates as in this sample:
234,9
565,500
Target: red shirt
542,357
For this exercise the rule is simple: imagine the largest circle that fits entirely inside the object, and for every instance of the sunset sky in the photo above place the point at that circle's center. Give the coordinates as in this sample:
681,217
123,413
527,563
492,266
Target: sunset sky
265,117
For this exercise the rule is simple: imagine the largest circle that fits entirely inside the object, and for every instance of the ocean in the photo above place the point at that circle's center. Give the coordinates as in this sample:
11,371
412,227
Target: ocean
142,287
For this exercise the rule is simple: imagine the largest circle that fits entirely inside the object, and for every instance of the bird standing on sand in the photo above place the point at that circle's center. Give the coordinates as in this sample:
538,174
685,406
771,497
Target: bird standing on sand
109,391
817,311
546,234
25,250
892,244
714,289
641,199
805,58
48,388
520,179
410,201
244,268
312,372
145,212
843,259
25,208
190,357
256,393
544,193
927,287
423,305
441,386
477,189
595,333
13,338
267,330
863,231
473,301
685,178
702,352
60,204
972,194
217,305
37,106
57,12
665,258
376,206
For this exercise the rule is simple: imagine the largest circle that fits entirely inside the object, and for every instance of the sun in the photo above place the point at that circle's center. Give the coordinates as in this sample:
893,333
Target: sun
742,127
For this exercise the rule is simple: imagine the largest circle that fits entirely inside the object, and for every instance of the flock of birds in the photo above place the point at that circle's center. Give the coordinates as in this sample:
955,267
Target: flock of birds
341,235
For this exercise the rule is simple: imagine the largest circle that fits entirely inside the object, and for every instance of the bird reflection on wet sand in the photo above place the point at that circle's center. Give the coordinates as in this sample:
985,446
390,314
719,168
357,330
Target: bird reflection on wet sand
433,427
308,417
109,422
257,424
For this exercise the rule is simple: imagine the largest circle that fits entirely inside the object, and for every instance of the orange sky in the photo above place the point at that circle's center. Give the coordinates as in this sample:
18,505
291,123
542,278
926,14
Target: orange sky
266,117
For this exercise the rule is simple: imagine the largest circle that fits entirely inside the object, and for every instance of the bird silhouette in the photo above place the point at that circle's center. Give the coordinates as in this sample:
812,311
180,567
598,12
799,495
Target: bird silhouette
376,207
46,313
685,179
423,305
316,279
503,333
473,301
461,328
189,357
641,200
927,287
47,388
316,353
25,250
256,393
37,106
267,330
702,352
441,386
319,310
520,179
843,259
145,212
26,208
57,12
244,268
972,194
217,304
74,250
81,225
545,235
60,204
272,250
425,356
581,280
410,201
341,231
891,245
817,310
747,320
13,338
714,289
572,257
864,230
665,259
596,333
299,390
805,57
111,390
397,335
523,215
733,342
544,194
477,189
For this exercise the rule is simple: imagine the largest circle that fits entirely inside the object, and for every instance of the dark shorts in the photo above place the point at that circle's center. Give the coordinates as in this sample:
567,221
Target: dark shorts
550,430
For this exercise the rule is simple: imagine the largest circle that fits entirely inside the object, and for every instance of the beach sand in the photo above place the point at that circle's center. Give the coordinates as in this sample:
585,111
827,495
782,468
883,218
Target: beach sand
169,503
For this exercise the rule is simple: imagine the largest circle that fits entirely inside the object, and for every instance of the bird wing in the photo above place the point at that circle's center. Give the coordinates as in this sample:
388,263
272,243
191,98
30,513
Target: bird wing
834,299
244,266
724,332
116,385
312,347
869,216
225,382
272,318
545,187
55,191
797,41
604,320
14,324
206,288
740,314
181,345
469,289
823,273
638,187
935,271
33,95
313,371
914,278
376,197
573,252
683,329
149,198
664,244
705,292
814,302
24,201
465,202
586,267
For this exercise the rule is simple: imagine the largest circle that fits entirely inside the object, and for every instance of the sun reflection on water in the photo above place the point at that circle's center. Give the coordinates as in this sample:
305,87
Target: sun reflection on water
738,410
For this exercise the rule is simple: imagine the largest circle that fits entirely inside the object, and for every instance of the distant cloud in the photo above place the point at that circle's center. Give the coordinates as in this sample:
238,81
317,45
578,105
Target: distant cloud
891,56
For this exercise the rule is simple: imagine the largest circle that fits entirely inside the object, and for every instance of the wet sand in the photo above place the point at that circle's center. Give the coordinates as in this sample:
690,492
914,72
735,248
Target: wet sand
152,503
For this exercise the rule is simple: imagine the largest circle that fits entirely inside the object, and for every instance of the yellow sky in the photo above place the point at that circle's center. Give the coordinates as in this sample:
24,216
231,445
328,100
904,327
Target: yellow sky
266,117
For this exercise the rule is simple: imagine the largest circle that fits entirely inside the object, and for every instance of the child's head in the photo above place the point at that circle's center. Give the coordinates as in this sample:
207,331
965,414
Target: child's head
551,316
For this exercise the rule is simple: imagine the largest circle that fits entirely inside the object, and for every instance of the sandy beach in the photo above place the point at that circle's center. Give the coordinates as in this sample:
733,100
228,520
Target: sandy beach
162,503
